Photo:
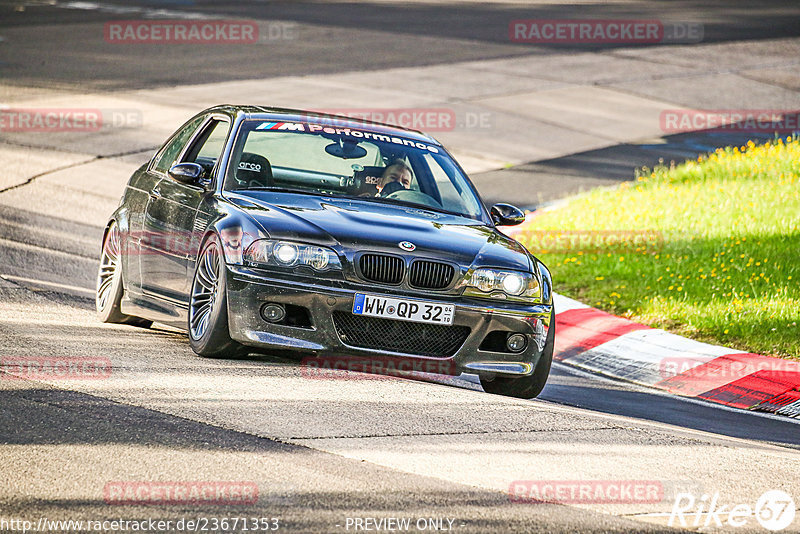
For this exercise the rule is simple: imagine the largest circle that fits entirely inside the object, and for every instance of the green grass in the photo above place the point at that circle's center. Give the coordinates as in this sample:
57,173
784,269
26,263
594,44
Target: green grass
726,265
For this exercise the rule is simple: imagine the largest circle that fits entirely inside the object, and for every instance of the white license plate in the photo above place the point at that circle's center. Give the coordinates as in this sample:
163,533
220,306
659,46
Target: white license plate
418,311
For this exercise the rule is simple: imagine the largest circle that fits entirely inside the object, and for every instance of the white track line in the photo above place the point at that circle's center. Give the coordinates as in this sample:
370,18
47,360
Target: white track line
47,284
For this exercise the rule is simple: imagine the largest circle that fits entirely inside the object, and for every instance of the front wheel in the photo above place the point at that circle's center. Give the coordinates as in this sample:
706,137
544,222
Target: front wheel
526,387
208,306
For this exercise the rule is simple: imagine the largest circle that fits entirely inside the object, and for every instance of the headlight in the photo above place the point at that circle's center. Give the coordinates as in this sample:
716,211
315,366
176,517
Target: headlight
513,283
317,257
286,254
495,283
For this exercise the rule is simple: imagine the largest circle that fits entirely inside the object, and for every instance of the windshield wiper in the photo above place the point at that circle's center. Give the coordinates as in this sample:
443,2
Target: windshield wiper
407,204
380,200
278,190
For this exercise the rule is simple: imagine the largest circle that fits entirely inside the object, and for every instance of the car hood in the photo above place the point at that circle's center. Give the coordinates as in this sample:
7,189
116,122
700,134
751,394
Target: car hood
360,225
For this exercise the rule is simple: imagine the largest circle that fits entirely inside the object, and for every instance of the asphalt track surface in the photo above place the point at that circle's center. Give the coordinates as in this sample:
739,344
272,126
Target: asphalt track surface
344,36
325,450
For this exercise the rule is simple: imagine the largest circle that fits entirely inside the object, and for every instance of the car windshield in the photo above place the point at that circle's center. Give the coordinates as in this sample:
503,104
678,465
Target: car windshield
318,158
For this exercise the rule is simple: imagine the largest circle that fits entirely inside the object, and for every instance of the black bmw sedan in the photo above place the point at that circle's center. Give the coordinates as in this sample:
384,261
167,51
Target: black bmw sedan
262,228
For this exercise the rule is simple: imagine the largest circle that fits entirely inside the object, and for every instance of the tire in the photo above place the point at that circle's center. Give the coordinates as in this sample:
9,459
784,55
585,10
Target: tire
108,291
209,335
526,387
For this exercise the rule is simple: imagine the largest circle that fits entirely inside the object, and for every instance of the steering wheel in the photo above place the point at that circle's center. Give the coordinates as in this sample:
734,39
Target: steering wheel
390,188
417,197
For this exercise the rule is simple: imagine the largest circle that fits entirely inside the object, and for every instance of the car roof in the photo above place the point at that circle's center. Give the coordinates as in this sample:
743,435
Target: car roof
327,119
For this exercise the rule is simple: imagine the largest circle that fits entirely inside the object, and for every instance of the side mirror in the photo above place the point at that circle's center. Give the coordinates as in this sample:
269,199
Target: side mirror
507,215
186,173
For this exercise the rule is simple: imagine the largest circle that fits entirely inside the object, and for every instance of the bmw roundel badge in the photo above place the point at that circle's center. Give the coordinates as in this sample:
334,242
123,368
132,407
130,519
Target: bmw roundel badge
407,245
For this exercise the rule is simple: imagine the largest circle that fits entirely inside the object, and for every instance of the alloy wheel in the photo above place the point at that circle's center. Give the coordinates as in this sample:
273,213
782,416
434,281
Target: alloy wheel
109,265
204,291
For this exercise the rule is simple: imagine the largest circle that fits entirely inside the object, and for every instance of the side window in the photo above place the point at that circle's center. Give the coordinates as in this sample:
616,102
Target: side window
446,188
169,153
452,199
209,145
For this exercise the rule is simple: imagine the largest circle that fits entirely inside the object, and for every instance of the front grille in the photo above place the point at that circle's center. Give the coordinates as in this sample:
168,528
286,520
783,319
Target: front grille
430,274
382,269
399,336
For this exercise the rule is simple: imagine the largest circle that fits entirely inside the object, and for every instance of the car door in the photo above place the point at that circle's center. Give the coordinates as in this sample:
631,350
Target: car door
169,218
145,182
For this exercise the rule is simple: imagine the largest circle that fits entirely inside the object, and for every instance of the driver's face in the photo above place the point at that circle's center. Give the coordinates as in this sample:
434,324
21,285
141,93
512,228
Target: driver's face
397,173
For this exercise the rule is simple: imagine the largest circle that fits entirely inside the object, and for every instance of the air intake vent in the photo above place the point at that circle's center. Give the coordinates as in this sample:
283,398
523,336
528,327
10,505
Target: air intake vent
382,269
430,274
399,336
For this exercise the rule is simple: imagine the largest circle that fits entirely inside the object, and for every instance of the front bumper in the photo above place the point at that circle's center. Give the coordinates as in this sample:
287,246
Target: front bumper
248,289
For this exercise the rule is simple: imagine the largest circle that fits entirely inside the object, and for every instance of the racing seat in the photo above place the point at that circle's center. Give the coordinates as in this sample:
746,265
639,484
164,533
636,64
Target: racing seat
254,170
365,181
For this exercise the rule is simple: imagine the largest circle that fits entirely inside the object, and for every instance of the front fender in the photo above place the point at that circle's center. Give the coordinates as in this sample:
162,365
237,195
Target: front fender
547,283
235,229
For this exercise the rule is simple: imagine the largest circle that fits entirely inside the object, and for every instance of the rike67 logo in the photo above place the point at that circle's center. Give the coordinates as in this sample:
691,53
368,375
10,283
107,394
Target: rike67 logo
774,510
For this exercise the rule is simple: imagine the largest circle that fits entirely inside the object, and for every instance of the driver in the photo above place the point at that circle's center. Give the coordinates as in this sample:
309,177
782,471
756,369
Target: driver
395,177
